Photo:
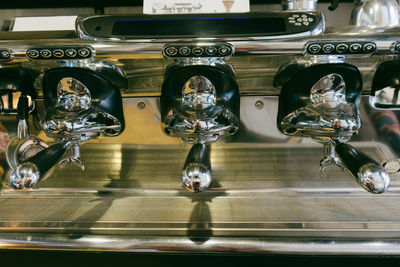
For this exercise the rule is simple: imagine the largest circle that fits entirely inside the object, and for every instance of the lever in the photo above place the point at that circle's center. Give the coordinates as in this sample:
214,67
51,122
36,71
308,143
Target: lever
32,170
22,114
334,4
366,171
196,173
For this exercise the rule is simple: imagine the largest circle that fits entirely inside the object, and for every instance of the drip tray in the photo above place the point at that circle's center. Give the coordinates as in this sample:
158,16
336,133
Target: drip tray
263,199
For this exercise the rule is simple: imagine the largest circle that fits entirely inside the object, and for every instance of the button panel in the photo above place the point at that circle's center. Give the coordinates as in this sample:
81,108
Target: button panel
58,53
197,50
301,19
341,48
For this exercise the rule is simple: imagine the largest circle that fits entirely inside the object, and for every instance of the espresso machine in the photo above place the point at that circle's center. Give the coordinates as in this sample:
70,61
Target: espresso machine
264,132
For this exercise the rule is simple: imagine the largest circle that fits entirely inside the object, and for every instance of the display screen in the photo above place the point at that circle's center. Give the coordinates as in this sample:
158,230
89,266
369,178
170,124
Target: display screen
198,27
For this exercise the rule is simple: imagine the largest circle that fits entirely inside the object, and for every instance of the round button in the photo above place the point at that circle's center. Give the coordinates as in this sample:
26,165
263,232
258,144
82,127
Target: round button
71,52
32,53
314,48
369,47
211,50
58,53
84,52
46,53
171,51
341,48
328,48
5,54
355,48
224,50
197,51
184,51
397,47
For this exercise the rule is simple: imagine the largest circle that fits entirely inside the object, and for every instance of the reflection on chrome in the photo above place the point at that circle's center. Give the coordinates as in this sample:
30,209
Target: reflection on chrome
24,176
373,178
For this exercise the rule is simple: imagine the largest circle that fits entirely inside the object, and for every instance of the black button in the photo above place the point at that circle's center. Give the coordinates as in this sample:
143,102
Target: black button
58,53
355,48
369,47
341,48
171,51
224,50
32,53
328,48
211,50
5,54
84,52
46,53
184,51
197,51
314,48
71,52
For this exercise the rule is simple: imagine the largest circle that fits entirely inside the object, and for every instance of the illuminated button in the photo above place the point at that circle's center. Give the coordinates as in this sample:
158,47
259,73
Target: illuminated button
369,47
304,16
46,53
341,48
58,53
295,16
355,48
310,19
171,51
71,52
297,24
184,51
84,52
224,50
314,48
305,23
299,20
292,21
32,53
328,48
211,50
197,51
5,54
305,19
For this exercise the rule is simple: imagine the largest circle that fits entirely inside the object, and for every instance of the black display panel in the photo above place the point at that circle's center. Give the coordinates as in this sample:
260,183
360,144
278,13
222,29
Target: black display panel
198,26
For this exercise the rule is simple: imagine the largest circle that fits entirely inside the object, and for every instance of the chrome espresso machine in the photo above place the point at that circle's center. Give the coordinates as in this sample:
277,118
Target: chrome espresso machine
261,132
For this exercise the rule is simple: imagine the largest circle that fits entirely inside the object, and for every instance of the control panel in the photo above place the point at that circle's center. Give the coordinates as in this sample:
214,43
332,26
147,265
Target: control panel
59,53
197,50
302,19
339,48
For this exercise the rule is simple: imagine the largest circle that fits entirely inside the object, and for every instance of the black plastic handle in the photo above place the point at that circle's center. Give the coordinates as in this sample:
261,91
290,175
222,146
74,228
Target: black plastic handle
334,5
365,170
199,154
47,158
23,107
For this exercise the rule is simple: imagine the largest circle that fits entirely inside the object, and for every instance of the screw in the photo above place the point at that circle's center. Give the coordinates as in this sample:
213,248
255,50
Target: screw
259,104
141,105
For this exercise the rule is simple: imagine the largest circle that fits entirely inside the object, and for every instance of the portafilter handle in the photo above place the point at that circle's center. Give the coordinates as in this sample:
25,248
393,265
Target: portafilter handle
366,171
196,174
32,170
